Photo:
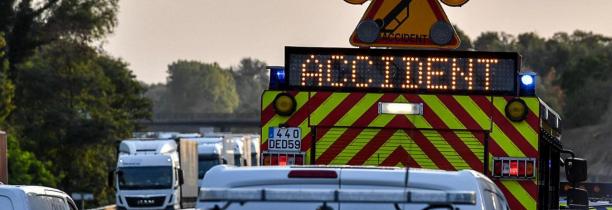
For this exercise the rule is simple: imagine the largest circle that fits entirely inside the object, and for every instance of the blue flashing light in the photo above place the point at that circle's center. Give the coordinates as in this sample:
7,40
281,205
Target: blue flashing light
527,83
527,79
280,74
277,76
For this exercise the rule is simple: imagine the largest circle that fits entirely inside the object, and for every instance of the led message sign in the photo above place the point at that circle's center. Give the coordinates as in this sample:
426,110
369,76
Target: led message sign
401,70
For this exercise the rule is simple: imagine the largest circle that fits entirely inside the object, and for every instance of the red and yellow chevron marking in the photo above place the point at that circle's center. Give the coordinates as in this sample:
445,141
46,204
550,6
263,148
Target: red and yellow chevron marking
450,134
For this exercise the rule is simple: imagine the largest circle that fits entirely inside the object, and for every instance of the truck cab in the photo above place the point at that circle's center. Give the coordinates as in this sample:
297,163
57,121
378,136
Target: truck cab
151,175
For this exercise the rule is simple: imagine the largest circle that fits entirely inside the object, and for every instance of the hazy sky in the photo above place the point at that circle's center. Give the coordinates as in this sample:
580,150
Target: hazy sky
154,33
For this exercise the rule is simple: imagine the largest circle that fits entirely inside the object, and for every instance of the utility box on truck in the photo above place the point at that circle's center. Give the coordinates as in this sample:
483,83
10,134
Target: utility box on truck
188,155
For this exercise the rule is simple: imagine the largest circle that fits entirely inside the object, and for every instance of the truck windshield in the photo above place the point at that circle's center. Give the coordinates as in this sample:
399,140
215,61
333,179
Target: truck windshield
155,177
205,163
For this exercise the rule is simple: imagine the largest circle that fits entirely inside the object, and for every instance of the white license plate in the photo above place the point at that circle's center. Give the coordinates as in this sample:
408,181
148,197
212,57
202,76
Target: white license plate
284,139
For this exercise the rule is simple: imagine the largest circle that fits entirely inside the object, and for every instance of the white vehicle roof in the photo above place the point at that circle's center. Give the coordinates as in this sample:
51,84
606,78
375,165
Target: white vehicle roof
227,176
208,140
18,195
210,149
147,147
144,160
188,135
342,179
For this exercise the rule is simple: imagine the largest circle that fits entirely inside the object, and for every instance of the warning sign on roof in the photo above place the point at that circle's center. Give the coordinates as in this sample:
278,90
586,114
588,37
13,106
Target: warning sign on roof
404,23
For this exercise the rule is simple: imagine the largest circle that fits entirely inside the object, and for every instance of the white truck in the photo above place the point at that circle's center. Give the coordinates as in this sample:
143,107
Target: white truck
210,153
343,187
236,149
156,174
224,148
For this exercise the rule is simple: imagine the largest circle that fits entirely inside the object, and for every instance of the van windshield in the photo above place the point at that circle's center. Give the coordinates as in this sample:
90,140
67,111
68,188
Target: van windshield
150,177
43,202
205,163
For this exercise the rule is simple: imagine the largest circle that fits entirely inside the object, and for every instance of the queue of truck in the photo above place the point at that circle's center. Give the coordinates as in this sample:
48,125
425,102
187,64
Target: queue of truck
162,170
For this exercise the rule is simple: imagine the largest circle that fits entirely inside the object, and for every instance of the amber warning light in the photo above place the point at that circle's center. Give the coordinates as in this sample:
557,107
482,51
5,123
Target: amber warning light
401,70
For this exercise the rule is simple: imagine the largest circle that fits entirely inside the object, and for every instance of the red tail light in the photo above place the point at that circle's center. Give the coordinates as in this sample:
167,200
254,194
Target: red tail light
309,174
282,160
513,168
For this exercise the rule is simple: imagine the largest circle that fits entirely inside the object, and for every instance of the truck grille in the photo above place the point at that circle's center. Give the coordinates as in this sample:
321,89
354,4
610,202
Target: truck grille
145,202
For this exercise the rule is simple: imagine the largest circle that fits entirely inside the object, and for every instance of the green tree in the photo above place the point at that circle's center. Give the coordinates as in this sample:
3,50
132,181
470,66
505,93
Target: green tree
251,80
25,168
6,86
494,41
195,87
466,42
155,93
72,104
587,79
29,24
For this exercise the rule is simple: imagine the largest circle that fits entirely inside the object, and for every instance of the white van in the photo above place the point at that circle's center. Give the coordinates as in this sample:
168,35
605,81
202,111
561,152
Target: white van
13,197
341,187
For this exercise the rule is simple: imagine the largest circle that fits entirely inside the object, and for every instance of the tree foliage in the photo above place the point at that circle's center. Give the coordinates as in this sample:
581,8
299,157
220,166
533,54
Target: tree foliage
575,70
6,86
196,87
251,80
29,24
72,104
24,167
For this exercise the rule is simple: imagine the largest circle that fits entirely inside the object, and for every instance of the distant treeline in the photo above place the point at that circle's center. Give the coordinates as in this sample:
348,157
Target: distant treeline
574,70
574,77
198,87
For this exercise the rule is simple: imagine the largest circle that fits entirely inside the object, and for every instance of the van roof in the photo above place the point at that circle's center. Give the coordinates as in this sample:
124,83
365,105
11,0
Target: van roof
231,177
40,190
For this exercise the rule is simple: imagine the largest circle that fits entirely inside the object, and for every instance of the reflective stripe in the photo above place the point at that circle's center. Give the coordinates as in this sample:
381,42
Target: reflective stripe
520,194
322,111
357,111
301,98
523,128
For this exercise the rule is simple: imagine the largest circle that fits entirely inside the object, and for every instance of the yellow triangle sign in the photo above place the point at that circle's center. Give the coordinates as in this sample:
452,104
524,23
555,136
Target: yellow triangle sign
405,23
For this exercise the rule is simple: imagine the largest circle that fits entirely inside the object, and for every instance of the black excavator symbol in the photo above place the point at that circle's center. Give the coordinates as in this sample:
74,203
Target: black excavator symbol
369,31
394,16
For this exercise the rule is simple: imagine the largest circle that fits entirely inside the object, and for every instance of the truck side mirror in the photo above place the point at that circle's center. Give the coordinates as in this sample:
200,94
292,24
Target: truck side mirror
575,170
180,177
577,198
111,178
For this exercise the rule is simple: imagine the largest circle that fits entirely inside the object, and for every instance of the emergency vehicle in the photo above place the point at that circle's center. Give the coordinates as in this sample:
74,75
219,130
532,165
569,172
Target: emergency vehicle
448,110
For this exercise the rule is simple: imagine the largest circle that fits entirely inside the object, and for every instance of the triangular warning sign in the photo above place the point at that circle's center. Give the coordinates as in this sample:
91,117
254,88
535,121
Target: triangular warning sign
405,23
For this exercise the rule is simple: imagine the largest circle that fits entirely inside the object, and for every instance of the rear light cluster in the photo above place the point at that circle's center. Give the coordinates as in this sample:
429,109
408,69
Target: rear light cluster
282,159
514,168
312,174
